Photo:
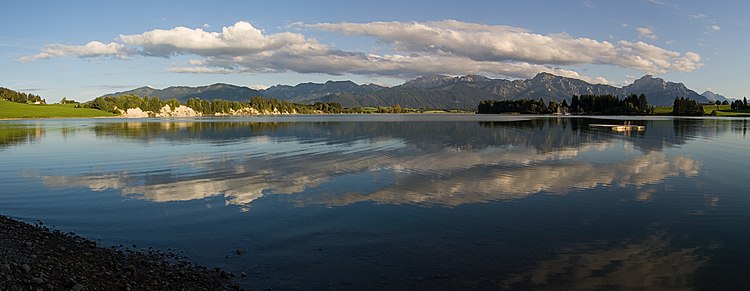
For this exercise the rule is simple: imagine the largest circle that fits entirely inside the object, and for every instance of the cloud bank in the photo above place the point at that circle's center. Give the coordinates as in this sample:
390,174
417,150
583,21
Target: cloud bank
415,48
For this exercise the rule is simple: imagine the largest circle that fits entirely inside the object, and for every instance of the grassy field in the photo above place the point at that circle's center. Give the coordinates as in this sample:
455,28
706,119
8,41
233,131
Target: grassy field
18,110
663,110
725,110
721,110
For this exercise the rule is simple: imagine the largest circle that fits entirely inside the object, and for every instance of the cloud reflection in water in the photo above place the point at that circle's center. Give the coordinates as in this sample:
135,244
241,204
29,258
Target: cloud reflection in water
445,177
649,264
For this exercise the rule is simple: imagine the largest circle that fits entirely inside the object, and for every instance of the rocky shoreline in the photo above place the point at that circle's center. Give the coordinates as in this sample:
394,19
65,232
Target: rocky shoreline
33,257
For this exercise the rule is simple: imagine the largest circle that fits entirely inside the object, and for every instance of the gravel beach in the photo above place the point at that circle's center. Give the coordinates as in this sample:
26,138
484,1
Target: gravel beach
33,257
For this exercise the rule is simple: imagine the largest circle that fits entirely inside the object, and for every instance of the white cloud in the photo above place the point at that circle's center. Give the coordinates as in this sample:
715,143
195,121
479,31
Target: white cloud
666,3
200,70
588,4
92,49
506,44
477,42
646,32
417,48
713,28
629,79
258,86
653,59
237,40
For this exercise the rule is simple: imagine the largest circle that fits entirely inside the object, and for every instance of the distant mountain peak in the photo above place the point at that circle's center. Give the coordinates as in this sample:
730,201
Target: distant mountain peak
432,78
649,83
711,96
428,81
545,74
219,85
649,79
473,78
329,82
657,88
183,93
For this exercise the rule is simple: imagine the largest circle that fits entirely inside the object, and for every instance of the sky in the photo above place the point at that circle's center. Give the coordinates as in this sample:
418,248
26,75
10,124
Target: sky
83,49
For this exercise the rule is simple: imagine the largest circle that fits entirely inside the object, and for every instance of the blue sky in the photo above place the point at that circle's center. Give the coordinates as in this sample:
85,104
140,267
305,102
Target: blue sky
83,49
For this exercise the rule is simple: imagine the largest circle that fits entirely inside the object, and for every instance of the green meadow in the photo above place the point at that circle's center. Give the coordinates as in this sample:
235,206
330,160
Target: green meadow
725,110
19,110
721,110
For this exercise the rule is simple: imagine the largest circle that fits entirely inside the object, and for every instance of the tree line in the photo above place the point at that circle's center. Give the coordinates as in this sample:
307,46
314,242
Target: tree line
610,105
19,97
217,106
584,104
686,107
523,106
125,102
739,104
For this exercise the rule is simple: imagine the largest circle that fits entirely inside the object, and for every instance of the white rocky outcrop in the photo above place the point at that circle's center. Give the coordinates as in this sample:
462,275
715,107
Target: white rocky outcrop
134,113
184,111
180,111
166,111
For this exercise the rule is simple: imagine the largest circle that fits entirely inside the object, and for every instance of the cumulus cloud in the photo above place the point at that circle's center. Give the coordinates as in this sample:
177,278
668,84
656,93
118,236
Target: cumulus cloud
646,32
653,59
504,44
92,49
240,39
483,43
418,48
339,63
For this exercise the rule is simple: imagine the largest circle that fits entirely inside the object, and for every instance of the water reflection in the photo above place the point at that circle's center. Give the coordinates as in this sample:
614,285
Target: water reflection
12,134
483,184
579,208
447,163
151,130
651,263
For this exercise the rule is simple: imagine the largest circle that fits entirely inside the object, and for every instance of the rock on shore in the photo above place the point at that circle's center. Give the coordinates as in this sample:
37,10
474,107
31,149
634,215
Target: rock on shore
33,257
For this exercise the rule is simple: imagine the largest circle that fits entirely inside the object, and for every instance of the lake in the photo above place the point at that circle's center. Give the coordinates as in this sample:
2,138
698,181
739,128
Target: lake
400,201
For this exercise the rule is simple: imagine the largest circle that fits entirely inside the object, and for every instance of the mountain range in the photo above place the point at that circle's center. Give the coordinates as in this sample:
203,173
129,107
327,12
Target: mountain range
711,96
434,91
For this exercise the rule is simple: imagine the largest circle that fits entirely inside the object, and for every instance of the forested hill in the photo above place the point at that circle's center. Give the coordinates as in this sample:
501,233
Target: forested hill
436,91
19,97
183,93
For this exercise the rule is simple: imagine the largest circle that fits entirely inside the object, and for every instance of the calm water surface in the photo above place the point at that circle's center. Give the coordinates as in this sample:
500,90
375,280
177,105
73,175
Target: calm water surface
401,201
